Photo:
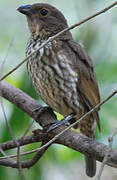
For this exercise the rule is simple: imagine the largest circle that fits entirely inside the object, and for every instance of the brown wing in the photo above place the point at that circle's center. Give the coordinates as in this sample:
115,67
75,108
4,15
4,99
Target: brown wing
87,83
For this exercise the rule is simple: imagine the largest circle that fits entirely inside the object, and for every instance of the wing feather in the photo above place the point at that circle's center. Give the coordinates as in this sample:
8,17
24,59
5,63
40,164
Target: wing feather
87,83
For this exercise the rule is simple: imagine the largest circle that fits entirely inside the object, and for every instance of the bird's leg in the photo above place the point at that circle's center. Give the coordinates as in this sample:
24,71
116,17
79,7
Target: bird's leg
42,110
64,121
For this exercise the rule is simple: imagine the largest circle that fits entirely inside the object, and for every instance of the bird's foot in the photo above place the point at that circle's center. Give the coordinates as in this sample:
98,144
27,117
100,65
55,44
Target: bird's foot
64,121
42,110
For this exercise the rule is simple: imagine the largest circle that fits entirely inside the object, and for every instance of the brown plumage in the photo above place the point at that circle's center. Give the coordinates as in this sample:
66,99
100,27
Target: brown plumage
61,72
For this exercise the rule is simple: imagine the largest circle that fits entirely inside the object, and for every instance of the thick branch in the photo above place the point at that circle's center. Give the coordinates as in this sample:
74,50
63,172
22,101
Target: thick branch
24,102
70,138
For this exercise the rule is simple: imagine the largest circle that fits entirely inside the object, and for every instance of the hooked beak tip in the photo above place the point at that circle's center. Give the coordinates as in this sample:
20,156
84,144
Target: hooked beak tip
25,9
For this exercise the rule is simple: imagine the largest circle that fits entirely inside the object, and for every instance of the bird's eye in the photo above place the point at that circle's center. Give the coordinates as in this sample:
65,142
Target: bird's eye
44,12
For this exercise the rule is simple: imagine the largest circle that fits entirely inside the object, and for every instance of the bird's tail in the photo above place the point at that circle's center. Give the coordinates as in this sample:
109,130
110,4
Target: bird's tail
90,164
87,127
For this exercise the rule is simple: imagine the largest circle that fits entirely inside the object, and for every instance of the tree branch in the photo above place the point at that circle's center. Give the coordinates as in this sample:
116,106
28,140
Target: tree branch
24,164
70,138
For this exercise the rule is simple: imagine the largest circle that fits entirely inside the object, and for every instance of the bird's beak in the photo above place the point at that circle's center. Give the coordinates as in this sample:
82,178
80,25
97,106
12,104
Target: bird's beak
25,10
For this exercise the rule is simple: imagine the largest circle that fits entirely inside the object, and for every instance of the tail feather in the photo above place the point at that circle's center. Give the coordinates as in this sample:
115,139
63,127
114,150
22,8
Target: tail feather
87,127
90,166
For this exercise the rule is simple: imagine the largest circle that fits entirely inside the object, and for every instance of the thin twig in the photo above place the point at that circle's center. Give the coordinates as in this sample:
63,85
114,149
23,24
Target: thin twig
27,130
72,125
110,140
31,162
6,120
1,102
4,154
70,139
19,163
25,164
51,141
58,34
6,55
14,139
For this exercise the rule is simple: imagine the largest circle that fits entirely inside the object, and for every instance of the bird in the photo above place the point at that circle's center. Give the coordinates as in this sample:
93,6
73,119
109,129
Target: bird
61,72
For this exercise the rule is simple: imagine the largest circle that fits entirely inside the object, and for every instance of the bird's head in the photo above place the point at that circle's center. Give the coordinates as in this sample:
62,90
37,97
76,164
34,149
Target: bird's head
44,20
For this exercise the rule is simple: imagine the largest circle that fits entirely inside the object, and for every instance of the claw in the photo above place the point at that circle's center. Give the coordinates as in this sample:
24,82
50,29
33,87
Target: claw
62,122
70,116
57,124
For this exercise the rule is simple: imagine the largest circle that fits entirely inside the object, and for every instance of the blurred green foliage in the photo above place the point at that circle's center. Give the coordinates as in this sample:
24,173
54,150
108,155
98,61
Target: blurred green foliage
99,38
